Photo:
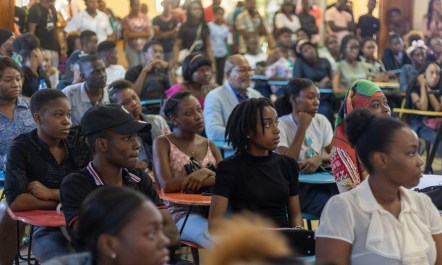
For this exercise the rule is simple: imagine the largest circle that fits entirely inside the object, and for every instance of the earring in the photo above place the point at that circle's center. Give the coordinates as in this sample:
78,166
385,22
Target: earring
248,137
113,256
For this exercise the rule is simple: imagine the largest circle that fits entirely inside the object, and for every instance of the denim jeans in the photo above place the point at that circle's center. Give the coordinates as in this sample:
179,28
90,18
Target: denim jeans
49,243
194,230
426,133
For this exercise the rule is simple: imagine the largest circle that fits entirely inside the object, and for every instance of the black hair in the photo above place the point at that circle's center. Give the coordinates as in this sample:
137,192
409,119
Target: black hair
151,43
105,46
242,122
216,9
306,31
363,42
85,36
169,108
283,104
394,10
392,36
8,62
71,43
42,97
91,139
413,37
430,13
85,61
283,30
116,86
25,44
369,134
106,210
192,63
189,14
344,43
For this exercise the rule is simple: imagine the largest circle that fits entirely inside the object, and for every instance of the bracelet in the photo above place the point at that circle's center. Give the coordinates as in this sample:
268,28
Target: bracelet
299,227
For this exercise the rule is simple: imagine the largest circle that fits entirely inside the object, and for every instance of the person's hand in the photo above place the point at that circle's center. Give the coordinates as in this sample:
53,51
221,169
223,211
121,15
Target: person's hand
142,164
325,82
422,81
304,119
195,180
156,63
310,165
40,191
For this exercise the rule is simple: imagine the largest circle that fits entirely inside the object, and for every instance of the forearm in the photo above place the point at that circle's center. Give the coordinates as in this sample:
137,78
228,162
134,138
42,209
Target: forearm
163,35
138,85
133,35
28,202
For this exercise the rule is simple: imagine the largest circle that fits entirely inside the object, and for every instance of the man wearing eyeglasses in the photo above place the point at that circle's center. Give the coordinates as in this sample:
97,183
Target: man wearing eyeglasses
220,102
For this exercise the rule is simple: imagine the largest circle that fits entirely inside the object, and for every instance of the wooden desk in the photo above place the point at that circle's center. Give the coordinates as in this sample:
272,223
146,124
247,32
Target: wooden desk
418,112
317,178
387,85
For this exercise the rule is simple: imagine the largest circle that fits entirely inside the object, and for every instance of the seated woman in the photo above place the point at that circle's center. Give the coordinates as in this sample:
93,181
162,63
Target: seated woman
197,75
376,67
27,47
418,54
349,69
306,136
381,221
122,92
176,152
426,94
308,65
118,225
256,179
347,170
38,161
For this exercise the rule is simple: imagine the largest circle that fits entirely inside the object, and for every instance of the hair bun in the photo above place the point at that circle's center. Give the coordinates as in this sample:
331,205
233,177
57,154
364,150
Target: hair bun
356,123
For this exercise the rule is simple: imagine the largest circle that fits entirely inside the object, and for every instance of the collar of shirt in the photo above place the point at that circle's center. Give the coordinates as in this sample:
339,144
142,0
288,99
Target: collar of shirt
126,175
85,98
42,145
22,103
238,95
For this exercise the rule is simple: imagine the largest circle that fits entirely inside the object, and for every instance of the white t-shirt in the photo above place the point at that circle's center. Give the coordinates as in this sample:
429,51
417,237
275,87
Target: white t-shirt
377,237
320,132
253,59
99,24
282,21
341,19
114,72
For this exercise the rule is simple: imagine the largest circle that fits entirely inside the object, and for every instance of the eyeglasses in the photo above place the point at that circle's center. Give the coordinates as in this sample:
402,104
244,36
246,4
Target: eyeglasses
244,70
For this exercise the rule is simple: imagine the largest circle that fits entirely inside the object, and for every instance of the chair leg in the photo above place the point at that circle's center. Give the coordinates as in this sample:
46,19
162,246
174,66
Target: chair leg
30,245
195,256
309,224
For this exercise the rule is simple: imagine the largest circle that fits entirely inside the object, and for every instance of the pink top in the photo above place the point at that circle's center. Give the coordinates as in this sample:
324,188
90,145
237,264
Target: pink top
139,23
179,88
177,161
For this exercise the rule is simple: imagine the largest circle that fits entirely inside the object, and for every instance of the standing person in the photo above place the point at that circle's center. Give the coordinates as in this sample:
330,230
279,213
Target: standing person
381,221
396,23
193,36
308,21
107,51
150,78
368,26
219,33
27,46
91,19
432,20
339,21
6,39
249,23
42,22
287,18
172,152
166,29
15,118
346,166
92,91
209,12
256,179
136,32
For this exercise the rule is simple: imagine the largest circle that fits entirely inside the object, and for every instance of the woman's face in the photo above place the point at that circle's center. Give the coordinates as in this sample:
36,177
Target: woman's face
287,8
437,6
404,161
419,56
309,53
352,50
10,84
202,75
307,101
432,75
196,11
379,106
332,44
189,115
368,49
269,138
397,45
130,101
142,241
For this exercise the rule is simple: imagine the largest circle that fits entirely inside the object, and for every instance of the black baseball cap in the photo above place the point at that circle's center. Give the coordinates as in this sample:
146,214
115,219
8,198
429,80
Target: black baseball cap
113,117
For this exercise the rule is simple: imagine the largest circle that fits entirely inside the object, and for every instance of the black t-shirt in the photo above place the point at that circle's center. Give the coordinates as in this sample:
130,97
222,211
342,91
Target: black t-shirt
188,33
315,72
31,82
166,26
369,26
259,184
76,186
155,84
29,159
416,88
46,20
308,22
390,61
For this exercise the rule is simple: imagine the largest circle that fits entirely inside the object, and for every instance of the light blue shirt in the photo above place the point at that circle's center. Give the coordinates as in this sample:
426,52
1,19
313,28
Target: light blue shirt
80,101
218,35
22,122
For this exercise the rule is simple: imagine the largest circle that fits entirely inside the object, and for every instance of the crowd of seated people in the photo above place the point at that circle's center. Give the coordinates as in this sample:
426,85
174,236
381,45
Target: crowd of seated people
74,117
